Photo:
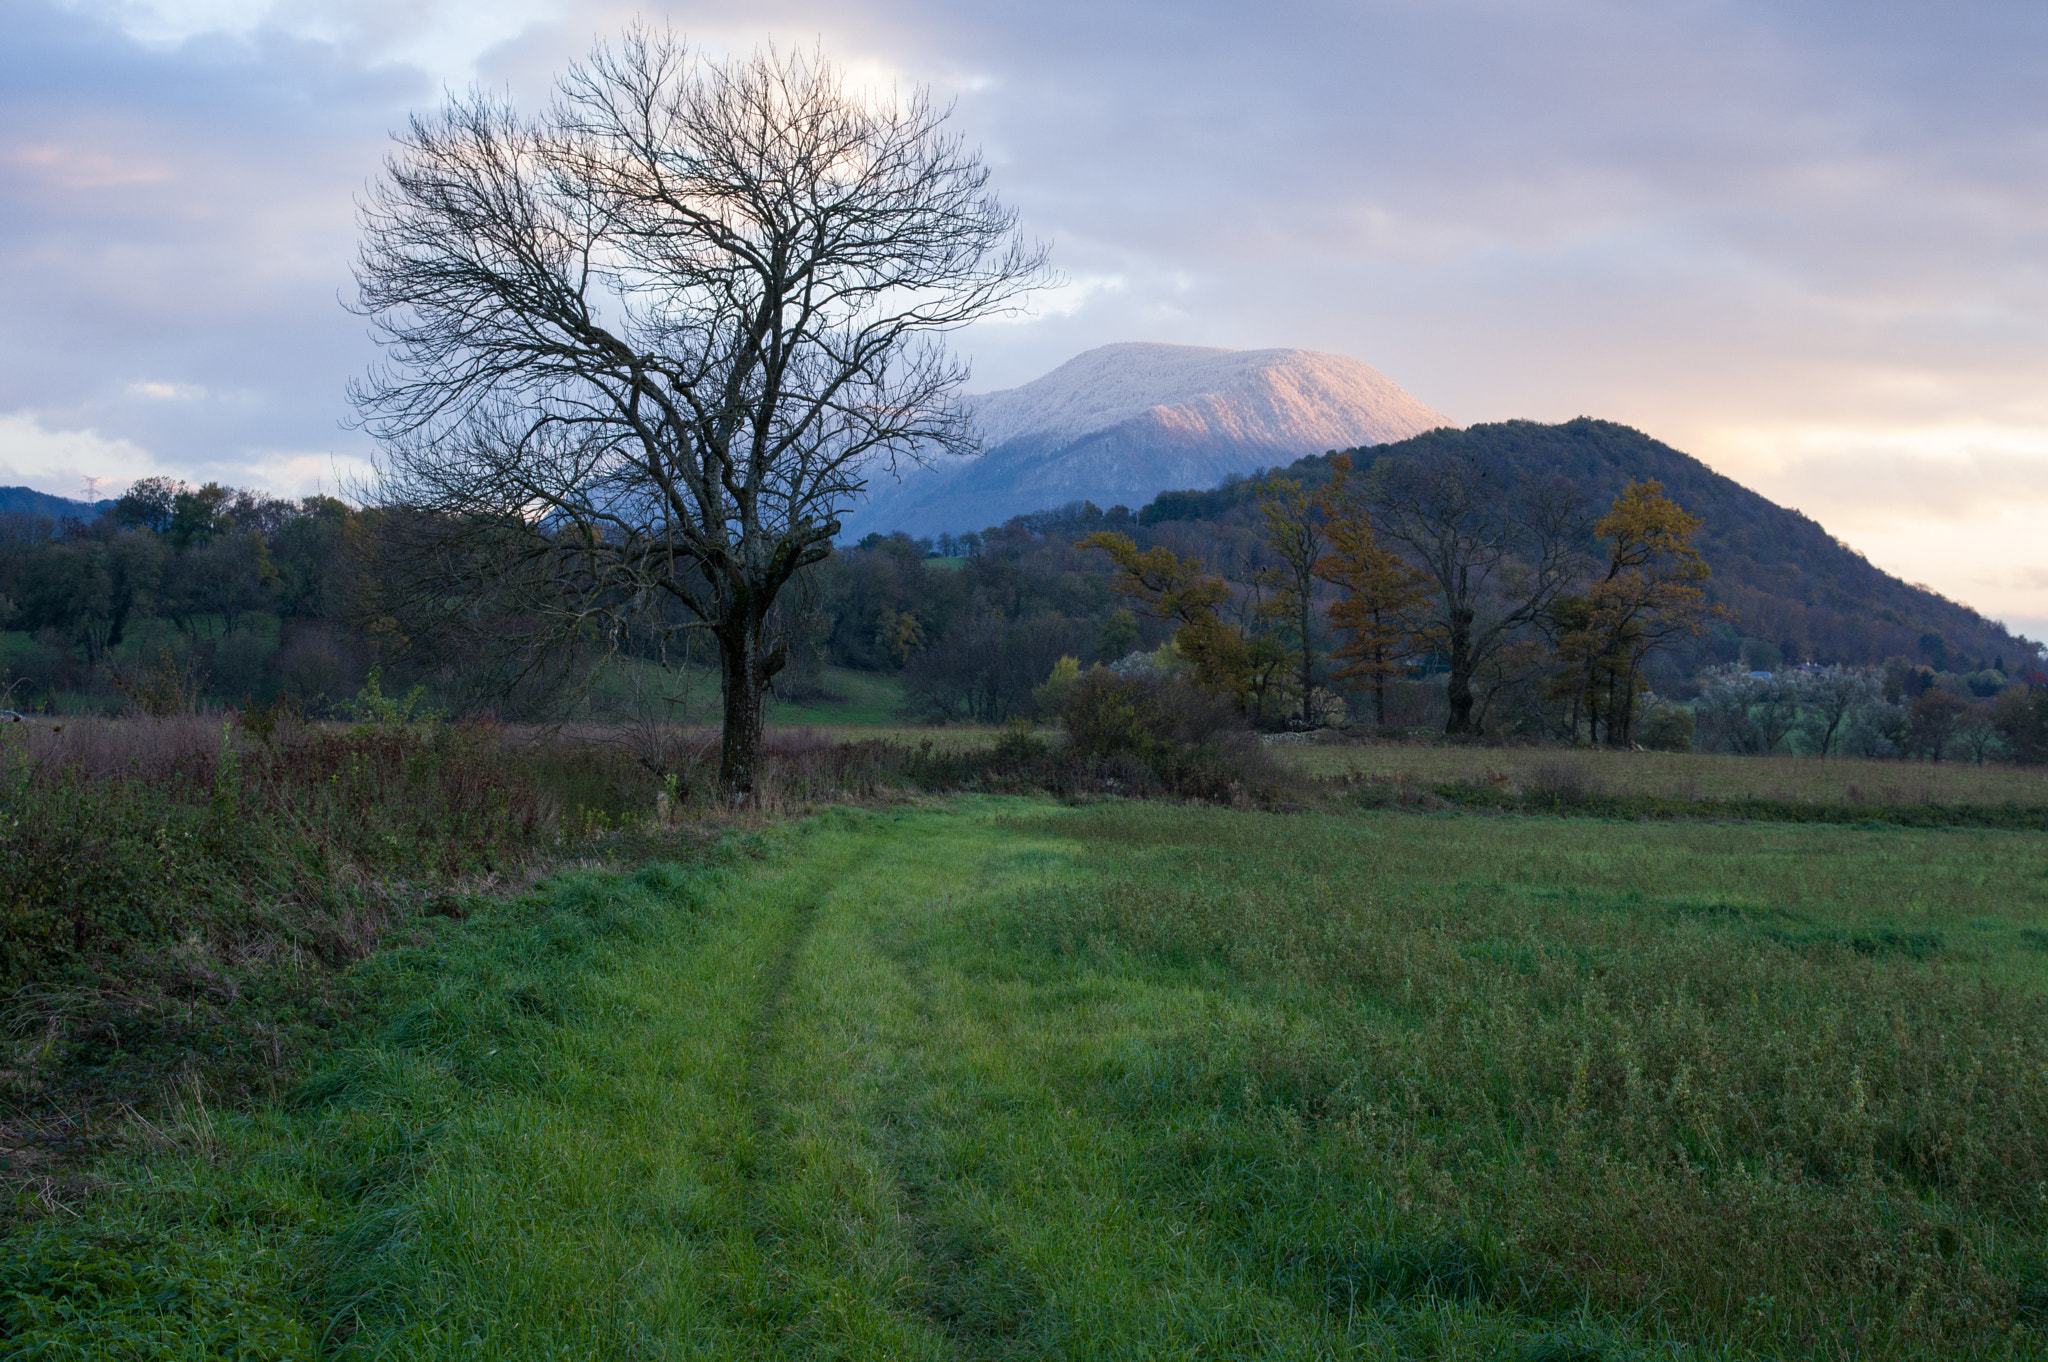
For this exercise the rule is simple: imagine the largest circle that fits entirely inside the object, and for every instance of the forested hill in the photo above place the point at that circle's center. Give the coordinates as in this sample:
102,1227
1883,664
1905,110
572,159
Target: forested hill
1782,576
28,501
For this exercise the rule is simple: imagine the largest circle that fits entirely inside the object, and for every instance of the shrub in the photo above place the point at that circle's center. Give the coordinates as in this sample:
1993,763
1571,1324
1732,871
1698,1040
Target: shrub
1190,741
1140,714
1668,728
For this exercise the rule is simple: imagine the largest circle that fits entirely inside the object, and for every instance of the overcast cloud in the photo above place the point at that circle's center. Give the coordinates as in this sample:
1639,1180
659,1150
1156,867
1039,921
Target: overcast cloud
1806,242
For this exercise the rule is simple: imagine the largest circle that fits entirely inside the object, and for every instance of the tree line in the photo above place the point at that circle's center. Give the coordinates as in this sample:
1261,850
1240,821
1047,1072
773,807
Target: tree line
1365,598
1897,710
252,593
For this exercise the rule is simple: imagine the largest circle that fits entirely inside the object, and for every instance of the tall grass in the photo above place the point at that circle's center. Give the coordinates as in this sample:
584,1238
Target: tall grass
1681,776
182,892
1769,1124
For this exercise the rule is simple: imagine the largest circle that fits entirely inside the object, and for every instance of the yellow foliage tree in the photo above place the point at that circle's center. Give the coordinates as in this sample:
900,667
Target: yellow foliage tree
1653,591
1381,592
1162,584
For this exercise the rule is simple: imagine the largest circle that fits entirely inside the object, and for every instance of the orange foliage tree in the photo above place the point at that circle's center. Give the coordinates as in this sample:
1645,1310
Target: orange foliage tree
1166,586
1653,592
1381,592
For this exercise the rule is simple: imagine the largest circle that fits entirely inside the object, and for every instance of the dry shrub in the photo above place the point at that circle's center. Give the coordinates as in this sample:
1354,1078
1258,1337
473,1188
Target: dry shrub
1567,777
154,874
1187,741
163,688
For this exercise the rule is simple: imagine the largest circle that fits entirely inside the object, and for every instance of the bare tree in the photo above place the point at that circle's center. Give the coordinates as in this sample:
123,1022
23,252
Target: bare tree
1297,533
654,342
1495,555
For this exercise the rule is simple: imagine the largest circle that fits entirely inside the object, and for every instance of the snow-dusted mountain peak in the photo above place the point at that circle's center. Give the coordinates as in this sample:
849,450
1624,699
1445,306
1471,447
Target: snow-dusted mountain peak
1122,423
1272,397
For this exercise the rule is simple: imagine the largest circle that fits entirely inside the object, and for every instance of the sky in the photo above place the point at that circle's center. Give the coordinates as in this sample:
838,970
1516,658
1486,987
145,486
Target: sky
1806,242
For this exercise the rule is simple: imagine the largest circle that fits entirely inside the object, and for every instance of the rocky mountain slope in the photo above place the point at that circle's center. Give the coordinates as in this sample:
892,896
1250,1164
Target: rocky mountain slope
1122,423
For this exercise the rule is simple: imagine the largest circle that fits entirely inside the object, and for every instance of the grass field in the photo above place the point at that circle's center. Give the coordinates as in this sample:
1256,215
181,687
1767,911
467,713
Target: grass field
852,699
1003,1078
943,737
1686,776
855,699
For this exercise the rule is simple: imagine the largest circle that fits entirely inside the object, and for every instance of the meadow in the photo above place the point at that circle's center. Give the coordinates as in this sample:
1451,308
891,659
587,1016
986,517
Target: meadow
1684,776
1002,1077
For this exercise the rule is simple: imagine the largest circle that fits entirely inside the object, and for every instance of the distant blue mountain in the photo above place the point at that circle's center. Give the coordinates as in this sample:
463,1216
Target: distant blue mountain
28,501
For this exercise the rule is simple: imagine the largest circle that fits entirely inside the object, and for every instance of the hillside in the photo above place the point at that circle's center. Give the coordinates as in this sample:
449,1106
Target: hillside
1121,423
1782,576
28,501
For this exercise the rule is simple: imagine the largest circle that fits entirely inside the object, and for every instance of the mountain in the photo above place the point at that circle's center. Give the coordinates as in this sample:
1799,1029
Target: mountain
1120,424
1782,577
28,501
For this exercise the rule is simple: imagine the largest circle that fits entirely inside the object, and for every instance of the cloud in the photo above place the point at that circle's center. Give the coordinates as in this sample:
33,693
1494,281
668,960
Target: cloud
68,463
167,392
64,167
1894,477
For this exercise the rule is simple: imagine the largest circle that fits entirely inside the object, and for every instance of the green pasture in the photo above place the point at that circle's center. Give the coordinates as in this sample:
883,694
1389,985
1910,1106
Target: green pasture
851,699
632,688
1003,1078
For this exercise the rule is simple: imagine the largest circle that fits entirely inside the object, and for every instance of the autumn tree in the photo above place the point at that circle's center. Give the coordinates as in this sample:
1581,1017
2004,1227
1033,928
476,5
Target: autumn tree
1934,719
647,347
2020,715
1180,590
1651,593
1494,554
1381,592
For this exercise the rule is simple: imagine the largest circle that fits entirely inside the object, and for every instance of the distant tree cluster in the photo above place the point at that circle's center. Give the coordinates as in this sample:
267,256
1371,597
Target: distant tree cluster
1899,710
1535,614
1361,597
250,593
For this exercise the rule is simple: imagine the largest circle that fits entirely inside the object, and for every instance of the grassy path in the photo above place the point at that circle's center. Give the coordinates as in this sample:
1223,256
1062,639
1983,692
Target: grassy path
833,1122
1010,1080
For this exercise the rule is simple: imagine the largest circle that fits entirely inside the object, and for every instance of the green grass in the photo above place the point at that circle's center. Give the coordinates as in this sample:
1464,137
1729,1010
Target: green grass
852,700
1009,1079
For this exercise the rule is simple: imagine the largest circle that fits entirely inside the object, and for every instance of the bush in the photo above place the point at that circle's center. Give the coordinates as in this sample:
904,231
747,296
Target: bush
1668,728
1190,741
1142,715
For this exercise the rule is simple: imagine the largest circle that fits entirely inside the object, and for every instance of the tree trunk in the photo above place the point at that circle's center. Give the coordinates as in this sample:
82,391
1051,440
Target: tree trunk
1459,689
1628,706
1308,673
745,678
